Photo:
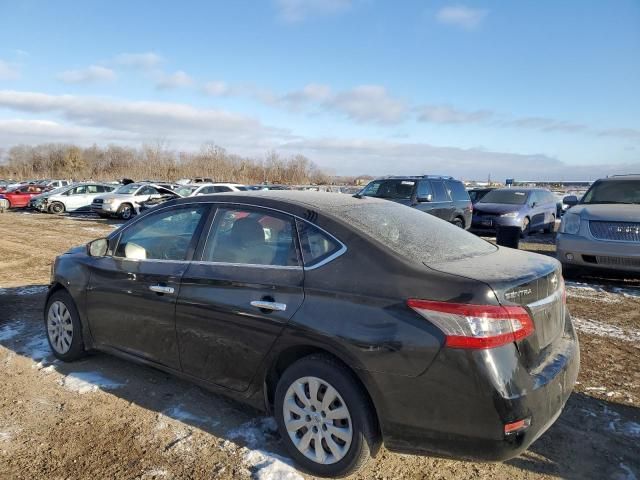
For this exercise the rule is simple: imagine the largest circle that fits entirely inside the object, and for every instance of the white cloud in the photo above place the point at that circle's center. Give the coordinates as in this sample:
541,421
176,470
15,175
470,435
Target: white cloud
447,114
144,120
626,133
462,17
546,124
293,11
143,61
175,80
369,103
8,71
216,89
91,74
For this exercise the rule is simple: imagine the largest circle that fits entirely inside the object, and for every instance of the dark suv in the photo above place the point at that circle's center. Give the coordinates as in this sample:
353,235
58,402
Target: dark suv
441,196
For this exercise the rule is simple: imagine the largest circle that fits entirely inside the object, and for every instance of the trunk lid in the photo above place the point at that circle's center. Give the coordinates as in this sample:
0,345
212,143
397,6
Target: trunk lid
520,278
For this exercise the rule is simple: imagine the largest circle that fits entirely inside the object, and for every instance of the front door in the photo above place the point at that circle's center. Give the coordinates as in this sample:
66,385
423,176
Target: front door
235,302
132,293
442,206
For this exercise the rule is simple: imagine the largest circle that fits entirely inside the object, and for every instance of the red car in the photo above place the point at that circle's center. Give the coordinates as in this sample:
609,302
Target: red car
20,196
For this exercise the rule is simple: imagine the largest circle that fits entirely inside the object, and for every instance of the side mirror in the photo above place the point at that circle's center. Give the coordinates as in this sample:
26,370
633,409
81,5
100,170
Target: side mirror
534,204
426,198
570,200
98,248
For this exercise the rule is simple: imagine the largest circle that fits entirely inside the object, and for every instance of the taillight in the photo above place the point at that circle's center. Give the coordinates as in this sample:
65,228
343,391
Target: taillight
475,326
471,207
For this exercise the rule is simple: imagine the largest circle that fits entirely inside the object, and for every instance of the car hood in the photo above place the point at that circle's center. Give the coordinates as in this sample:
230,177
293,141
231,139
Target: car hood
610,212
497,207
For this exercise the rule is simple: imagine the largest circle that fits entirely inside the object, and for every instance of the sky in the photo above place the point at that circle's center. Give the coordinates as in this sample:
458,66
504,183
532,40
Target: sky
532,89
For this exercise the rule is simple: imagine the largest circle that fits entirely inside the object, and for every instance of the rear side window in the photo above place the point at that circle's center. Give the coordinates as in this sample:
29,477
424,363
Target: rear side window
252,237
424,189
317,246
457,191
439,192
220,189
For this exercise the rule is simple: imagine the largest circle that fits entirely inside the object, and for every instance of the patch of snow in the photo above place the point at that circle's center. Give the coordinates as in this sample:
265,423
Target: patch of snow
180,413
600,329
10,330
5,436
628,292
154,473
255,432
626,473
37,348
269,466
84,382
616,424
600,389
31,290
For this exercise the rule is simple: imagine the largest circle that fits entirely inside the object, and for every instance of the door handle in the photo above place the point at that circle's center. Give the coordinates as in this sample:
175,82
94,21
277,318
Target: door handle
266,305
161,289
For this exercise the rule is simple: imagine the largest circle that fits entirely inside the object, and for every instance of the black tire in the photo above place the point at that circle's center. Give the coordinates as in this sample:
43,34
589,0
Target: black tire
571,271
551,227
526,227
365,438
56,208
125,212
76,349
458,222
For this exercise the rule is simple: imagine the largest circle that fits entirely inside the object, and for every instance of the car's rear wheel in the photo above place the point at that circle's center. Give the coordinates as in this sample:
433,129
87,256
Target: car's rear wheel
324,417
458,222
125,212
56,208
64,330
551,227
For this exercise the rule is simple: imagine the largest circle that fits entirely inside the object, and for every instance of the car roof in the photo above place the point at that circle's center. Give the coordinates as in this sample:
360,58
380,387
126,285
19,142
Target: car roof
615,178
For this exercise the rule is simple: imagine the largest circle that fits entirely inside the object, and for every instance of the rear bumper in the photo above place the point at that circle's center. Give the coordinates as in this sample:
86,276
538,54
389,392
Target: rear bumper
459,406
579,251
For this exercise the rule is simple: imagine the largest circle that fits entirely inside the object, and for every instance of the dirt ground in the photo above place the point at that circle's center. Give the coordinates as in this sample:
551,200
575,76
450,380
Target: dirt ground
102,417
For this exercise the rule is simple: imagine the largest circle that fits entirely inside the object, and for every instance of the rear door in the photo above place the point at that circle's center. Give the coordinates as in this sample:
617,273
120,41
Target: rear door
236,300
442,205
132,292
77,198
538,209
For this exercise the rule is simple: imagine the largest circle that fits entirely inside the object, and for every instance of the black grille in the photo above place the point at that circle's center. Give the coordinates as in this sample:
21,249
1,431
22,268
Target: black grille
617,231
98,200
618,261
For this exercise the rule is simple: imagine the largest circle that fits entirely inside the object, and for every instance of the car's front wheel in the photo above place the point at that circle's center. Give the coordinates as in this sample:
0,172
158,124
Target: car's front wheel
125,212
64,330
56,208
324,417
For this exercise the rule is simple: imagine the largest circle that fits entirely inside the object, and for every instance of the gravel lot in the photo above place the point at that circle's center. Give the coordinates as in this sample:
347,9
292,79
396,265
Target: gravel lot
104,418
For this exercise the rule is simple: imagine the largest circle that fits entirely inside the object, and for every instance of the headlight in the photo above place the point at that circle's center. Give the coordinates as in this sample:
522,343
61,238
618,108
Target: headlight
570,223
510,215
108,200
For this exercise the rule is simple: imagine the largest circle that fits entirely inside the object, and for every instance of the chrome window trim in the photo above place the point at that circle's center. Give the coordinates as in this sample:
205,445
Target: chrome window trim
248,265
340,252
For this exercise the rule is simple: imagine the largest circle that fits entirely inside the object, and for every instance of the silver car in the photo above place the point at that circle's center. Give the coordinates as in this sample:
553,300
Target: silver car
126,200
602,230
76,197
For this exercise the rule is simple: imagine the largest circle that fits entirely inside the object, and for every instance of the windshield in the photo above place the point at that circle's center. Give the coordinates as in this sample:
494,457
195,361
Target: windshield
186,191
128,189
398,189
613,191
509,197
412,234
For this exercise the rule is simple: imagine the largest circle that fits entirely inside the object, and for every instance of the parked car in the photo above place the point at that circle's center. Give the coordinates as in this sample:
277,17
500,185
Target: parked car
18,197
4,184
125,201
53,184
602,230
444,197
76,197
355,321
194,190
476,194
531,209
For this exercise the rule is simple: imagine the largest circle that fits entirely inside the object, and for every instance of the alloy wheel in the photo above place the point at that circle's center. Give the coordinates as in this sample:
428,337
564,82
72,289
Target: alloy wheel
317,420
59,327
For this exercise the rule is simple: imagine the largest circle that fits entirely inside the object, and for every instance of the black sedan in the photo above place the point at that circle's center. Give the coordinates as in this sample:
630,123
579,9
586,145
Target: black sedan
356,321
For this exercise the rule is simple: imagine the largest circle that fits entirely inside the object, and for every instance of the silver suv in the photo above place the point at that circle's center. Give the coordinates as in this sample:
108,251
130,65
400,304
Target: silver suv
602,230
125,201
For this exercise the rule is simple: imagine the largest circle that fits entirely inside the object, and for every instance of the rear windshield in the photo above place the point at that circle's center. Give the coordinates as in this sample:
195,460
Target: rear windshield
413,234
397,189
614,191
510,197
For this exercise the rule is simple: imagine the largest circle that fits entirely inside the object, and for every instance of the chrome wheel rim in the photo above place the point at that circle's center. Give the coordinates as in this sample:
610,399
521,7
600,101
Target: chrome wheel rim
59,327
317,420
126,213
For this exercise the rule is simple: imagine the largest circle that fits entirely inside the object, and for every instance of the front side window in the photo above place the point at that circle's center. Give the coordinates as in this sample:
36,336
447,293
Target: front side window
165,235
220,189
393,189
147,191
252,237
424,189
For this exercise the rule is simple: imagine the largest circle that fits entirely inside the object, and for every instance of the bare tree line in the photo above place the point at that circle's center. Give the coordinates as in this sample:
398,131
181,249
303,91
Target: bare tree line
55,160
